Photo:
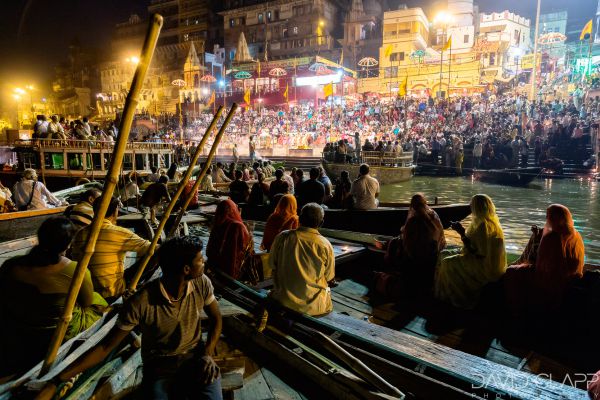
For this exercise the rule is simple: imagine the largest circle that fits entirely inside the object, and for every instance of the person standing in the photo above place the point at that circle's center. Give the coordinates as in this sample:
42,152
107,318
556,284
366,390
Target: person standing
154,194
236,155
252,149
365,190
477,153
303,265
177,363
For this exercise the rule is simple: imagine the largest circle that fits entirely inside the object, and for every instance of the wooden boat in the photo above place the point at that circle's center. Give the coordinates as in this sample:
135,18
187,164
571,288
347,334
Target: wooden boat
387,168
72,162
508,176
429,169
19,224
459,362
385,220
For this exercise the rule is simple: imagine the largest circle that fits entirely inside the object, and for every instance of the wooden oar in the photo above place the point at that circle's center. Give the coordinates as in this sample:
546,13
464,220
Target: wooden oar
182,184
209,158
112,176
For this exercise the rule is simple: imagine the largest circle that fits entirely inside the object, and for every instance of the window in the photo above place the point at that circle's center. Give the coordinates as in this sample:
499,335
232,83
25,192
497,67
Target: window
466,39
397,56
186,37
492,58
295,30
242,21
261,18
269,15
276,15
231,22
284,32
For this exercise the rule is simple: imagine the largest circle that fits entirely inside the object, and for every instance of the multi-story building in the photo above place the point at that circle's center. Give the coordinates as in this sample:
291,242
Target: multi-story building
362,32
504,38
282,28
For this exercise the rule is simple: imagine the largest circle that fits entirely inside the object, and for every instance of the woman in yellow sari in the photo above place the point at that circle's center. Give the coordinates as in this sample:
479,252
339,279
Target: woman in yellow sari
461,276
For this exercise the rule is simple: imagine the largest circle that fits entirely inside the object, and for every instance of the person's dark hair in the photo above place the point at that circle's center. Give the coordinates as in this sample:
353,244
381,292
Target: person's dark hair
418,202
238,174
363,169
172,170
153,169
278,174
163,179
93,192
85,119
312,215
345,175
220,165
314,173
112,206
54,236
178,252
299,173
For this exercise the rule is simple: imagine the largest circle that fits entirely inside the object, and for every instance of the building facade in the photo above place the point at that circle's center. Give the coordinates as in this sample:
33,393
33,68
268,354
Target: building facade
282,28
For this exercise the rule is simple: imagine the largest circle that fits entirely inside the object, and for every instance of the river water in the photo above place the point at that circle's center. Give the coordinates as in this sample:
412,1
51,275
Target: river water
518,207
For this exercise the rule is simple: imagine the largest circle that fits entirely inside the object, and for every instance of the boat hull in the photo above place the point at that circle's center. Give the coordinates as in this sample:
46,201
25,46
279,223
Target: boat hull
512,177
385,221
385,175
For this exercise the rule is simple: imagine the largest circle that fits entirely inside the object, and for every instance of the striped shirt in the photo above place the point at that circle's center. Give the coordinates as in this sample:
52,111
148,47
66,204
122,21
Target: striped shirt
81,214
107,264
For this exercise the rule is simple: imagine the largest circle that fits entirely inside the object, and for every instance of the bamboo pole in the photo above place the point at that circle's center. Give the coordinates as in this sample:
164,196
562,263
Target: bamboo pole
182,184
209,158
112,176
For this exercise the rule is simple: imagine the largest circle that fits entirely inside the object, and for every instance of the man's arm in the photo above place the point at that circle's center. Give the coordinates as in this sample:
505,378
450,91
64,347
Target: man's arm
216,324
91,358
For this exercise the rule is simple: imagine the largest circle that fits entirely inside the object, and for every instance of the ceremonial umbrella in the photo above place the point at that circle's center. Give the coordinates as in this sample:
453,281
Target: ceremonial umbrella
208,78
179,83
551,38
368,62
242,75
277,72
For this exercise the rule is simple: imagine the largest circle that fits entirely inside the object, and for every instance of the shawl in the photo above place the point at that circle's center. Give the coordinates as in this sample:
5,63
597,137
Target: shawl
284,217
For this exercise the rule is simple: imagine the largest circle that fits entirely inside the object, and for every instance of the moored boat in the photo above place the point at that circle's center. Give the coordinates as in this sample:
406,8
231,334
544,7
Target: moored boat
386,167
508,176
384,220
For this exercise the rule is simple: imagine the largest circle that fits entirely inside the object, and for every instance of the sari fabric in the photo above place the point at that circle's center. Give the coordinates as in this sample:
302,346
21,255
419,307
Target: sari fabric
559,260
285,217
460,276
229,240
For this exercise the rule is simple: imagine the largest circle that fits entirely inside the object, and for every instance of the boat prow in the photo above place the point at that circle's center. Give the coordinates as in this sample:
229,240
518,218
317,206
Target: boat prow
508,176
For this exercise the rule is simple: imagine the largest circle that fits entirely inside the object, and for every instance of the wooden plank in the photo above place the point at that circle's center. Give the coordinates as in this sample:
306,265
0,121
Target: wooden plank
279,388
31,213
255,388
475,370
116,383
86,389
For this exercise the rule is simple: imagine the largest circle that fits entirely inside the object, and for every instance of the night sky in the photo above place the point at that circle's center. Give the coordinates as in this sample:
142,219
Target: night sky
34,34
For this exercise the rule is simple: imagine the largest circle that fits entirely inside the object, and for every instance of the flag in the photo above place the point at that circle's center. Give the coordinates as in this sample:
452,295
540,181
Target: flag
402,87
212,99
388,51
328,90
448,44
285,94
587,30
247,96
341,58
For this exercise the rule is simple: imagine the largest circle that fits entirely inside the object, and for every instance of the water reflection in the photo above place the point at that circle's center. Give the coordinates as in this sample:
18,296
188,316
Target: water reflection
518,208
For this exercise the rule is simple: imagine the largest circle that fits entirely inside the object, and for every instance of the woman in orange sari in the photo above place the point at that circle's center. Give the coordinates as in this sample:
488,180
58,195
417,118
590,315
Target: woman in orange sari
560,257
285,217
229,240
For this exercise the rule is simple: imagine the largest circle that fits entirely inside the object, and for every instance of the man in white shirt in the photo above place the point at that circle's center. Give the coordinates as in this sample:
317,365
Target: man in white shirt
29,194
303,265
365,190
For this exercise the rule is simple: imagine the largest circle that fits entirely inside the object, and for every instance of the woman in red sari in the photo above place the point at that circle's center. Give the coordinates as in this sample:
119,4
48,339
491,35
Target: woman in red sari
229,240
559,259
285,217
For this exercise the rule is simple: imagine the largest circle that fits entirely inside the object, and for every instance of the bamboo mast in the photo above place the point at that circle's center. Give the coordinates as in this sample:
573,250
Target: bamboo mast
182,184
154,27
209,158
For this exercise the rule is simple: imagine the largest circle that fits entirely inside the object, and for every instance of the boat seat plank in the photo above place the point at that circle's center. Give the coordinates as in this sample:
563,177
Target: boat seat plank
255,388
473,369
279,388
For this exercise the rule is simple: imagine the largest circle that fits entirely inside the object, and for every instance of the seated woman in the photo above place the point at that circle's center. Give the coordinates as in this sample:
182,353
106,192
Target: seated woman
33,291
342,198
411,257
229,240
285,217
542,275
259,194
460,276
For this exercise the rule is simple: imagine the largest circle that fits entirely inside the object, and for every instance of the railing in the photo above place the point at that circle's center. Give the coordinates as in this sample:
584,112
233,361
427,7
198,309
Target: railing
373,158
54,144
